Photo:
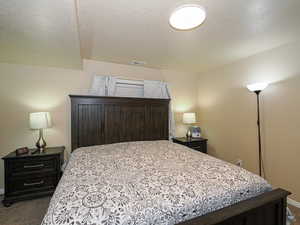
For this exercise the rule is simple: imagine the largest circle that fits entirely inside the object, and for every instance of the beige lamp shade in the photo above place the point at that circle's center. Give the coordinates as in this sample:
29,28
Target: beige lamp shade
189,118
40,120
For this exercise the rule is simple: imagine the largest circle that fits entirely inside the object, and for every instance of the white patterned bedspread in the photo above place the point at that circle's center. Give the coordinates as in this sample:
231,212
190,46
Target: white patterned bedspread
143,183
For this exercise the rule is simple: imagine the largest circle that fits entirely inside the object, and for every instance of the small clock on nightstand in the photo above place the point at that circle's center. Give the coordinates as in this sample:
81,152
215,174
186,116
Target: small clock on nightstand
198,144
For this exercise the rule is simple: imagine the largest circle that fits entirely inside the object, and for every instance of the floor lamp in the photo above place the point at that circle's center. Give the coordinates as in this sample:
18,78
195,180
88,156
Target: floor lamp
257,88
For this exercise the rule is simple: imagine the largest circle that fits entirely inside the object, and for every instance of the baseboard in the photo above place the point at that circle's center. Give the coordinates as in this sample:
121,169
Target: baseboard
1,191
293,202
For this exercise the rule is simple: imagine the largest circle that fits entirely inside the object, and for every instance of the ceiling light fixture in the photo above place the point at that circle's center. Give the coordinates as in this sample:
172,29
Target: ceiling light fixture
187,17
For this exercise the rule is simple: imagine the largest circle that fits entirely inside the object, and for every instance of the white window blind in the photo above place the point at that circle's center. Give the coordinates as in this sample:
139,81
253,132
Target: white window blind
129,88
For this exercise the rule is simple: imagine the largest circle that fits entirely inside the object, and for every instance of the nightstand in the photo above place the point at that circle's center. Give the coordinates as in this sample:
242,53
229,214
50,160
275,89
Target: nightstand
198,144
30,175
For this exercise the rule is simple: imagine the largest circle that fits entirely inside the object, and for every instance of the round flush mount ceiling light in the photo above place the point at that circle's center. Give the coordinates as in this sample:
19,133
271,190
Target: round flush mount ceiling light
187,17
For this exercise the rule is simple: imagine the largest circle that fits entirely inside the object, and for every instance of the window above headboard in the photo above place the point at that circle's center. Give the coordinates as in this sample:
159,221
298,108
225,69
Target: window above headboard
120,87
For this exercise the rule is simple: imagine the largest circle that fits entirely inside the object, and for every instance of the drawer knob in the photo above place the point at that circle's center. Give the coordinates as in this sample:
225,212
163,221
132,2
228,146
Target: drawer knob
33,184
33,166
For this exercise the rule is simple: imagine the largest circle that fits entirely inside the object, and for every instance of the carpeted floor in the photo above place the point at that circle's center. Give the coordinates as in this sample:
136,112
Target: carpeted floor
32,212
24,213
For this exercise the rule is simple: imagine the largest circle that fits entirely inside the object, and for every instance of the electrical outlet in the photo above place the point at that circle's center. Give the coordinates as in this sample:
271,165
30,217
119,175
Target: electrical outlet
239,163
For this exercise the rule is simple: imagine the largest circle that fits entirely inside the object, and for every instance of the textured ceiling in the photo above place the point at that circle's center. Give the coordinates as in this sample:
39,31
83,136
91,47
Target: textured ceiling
52,32
39,32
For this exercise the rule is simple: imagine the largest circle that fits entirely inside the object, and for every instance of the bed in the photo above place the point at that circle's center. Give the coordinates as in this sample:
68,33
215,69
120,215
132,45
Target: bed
123,170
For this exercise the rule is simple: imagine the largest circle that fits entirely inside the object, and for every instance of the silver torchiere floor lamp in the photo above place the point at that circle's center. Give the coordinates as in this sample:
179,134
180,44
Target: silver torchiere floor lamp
257,88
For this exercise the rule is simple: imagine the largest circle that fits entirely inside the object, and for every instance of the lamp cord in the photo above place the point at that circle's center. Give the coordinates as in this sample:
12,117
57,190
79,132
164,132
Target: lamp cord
263,169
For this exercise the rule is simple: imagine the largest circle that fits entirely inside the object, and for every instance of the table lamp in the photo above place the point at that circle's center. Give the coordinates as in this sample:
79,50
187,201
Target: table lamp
40,121
189,118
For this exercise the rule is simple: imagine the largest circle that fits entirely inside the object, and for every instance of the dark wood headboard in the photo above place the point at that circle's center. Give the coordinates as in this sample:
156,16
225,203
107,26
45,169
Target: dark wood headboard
97,120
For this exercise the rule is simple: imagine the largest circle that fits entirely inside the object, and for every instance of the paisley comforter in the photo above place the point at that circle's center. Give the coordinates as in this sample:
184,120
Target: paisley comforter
143,183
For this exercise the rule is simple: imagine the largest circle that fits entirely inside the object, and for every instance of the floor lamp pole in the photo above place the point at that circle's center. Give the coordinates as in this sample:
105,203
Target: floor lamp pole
259,133
257,88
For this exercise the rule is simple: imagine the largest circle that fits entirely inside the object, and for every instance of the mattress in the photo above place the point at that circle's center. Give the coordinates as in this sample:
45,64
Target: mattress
154,182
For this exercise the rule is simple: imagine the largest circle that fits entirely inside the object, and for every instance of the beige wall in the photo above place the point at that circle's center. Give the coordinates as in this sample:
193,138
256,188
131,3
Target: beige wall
25,89
228,114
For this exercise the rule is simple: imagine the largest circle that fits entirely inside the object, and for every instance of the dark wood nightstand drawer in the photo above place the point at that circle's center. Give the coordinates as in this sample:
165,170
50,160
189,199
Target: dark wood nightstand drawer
200,148
42,164
193,144
31,184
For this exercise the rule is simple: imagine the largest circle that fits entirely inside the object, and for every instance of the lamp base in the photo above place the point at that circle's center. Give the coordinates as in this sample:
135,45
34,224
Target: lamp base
41,143
189,134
